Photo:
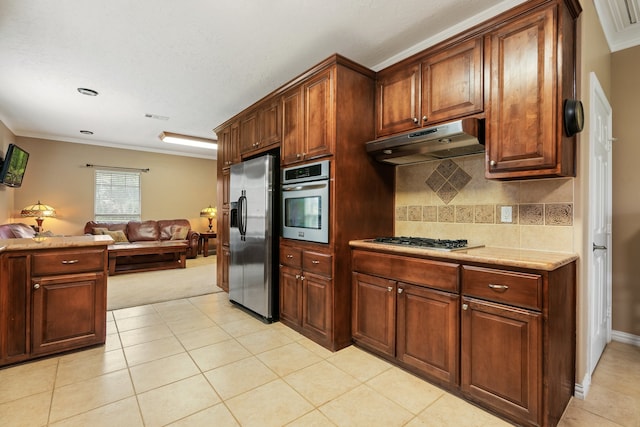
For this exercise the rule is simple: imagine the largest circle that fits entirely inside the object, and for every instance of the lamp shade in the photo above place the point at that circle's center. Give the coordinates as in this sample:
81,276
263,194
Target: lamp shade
38,210
208,212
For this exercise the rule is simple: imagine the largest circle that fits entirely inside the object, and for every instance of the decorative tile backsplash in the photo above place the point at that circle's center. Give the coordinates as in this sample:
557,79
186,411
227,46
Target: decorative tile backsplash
451,199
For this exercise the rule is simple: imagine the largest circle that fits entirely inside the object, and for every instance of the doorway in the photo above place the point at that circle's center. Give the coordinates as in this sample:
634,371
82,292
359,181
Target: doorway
600,213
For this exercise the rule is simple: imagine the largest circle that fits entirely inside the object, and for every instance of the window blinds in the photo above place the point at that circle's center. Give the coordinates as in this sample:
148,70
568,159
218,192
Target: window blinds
117,196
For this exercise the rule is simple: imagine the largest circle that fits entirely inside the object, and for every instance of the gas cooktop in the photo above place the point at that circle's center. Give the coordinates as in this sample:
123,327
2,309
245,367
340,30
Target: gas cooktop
427,243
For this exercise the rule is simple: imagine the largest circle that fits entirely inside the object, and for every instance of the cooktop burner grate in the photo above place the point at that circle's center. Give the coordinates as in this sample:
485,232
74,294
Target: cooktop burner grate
424,242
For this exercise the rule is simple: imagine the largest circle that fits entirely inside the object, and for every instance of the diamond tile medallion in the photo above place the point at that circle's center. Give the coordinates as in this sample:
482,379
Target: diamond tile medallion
448,180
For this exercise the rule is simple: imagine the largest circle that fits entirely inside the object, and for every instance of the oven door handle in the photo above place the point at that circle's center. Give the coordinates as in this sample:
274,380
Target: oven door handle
302,187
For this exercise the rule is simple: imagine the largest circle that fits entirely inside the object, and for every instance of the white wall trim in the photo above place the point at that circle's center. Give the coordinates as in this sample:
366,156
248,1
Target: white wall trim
581,390
626,338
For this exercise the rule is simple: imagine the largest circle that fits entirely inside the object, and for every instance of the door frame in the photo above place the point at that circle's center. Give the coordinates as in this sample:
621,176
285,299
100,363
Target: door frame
597,94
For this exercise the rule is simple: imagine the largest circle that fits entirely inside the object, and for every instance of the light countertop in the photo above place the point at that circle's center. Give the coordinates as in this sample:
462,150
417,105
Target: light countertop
524,258
38,243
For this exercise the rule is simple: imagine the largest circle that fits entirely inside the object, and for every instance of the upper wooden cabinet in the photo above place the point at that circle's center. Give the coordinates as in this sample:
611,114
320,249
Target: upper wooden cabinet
531,62
261,127
308,119
228,144
437,87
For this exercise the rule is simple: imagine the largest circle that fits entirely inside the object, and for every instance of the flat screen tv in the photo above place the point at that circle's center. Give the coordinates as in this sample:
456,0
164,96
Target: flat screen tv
13,167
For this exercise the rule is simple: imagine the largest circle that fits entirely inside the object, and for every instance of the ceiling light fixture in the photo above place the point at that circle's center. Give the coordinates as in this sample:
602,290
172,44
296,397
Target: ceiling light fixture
88,92
191,141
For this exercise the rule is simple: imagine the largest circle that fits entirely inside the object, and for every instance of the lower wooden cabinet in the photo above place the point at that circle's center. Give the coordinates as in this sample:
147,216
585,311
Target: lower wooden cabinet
306,292
415,325
51,300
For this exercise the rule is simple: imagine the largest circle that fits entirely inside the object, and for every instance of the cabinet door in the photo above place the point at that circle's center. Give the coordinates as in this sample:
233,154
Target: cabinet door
224,146
225,182
270,123
290,296
316,305
427,331
249,138
223,268
398,100
521,120
68,312
13,308
452,82
234,143
319,117
291,147
502,358
373,319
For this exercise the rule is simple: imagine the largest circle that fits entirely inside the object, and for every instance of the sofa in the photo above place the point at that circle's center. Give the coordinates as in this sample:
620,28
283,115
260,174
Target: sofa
16,231
148,231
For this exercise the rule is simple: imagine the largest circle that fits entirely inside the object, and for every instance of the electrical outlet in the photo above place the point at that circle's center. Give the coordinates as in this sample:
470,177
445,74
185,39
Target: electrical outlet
506,214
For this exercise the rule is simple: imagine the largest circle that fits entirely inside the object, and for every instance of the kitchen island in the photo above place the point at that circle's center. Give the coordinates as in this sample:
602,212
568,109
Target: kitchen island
53,293
495,325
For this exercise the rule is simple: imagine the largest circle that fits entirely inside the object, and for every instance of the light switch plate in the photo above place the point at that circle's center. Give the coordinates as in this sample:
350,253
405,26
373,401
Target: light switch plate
506,214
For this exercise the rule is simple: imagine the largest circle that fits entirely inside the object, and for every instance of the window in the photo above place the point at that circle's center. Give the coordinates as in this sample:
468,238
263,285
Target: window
117,196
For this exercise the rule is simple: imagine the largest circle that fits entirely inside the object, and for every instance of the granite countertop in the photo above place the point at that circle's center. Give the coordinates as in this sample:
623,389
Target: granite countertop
524,258
38,243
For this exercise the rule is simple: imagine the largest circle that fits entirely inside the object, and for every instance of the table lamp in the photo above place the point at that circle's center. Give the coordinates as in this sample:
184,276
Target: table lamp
209,213
39,211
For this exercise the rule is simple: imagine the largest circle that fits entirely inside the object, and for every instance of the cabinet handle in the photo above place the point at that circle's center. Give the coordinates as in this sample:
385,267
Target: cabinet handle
400,290
315,261
415,120
36,286
493,163
424,118
70,261
498,288
389,288
301,277
298,276
298,155
289,256
465,306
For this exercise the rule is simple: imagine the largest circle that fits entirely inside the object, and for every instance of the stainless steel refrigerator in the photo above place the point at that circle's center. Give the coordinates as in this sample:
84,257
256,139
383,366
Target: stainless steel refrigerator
252,235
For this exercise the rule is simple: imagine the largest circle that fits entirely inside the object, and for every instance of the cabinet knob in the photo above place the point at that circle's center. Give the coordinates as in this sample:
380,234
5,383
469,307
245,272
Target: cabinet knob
36,286
465,306
289,256
400,290
301,277
298,276
493,163
389,288
415,120
298,155
424,118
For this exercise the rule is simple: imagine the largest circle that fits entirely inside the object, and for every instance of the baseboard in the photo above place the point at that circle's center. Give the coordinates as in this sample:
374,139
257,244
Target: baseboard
580,390
626,338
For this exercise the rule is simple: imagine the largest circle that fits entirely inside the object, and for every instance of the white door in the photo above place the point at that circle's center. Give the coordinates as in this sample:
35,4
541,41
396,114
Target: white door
600,212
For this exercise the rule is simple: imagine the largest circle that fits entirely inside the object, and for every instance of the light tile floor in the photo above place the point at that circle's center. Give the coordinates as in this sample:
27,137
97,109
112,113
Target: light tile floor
203,362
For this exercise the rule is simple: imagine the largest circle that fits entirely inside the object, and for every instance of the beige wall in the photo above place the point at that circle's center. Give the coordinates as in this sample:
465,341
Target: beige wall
625,99
175,186
6,193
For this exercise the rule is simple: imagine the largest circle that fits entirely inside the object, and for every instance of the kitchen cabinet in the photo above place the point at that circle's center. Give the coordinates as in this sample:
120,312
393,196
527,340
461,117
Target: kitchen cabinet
436,87
229,145
306,291
53,300
531,64
414,324
518,341
260,128
308,113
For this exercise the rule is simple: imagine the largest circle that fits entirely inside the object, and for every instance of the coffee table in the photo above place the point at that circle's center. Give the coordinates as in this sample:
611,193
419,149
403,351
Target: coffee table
146,256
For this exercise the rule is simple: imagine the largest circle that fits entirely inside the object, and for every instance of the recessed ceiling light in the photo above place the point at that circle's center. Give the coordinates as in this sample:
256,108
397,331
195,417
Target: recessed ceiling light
86,132
88,92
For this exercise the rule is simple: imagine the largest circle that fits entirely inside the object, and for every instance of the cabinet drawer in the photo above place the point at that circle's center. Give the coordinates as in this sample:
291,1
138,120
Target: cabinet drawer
434,274
509,287
70,261
290,256
315,262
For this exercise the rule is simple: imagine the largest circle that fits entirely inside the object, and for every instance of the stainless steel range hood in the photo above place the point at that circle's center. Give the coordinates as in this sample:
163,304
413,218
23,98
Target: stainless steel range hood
458,138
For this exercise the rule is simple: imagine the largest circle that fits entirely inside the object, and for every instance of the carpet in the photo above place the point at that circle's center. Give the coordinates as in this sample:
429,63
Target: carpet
132,289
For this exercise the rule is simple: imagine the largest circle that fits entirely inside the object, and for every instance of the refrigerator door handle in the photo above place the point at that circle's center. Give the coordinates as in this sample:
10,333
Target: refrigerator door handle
242,217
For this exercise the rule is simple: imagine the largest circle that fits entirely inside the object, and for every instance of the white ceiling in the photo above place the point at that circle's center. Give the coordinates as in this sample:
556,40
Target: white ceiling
619,19
194,62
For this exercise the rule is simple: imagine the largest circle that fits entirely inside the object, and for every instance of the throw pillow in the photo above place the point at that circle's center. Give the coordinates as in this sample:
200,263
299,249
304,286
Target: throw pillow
179,232
117,236
99,230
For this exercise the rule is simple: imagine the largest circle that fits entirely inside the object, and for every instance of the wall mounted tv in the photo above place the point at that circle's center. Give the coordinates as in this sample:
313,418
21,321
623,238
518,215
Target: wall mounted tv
14,165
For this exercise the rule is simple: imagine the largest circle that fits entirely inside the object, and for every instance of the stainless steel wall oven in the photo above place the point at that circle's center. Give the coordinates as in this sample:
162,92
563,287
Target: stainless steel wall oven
305,202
